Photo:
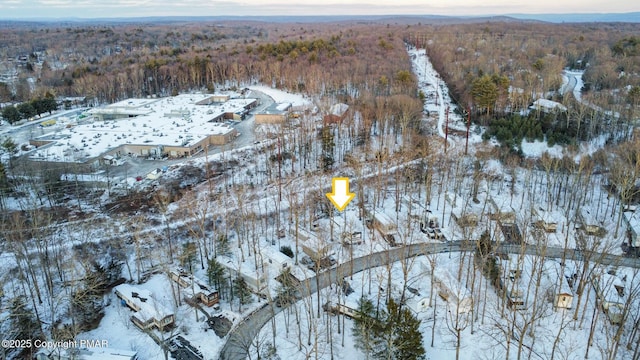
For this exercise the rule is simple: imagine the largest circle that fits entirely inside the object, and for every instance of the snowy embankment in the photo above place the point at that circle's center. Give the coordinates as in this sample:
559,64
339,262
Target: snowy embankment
437,99
572,82
279,96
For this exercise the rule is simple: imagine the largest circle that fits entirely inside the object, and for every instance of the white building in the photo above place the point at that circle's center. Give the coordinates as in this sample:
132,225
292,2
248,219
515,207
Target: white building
451,290
148,313
256,279
277,260
178,126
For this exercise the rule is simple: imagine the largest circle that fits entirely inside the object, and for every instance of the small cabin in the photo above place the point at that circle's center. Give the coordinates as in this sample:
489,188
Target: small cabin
194,289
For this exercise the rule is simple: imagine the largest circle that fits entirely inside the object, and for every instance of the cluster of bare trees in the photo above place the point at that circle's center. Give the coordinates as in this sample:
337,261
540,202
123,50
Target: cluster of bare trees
114,62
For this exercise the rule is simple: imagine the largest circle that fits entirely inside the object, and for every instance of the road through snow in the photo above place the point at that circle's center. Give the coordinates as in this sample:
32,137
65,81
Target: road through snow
429,82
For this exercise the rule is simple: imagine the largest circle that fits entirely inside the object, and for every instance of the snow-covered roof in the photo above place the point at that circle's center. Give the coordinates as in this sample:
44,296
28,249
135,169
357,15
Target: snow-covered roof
276,108
182,121
457,289
245,269
338,109
193,284
417,304
280,96
313,242
275,257
607,285
564,284
149,308
547,105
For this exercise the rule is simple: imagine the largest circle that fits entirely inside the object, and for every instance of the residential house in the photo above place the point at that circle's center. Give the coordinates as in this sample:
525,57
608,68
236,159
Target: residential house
148,313
256,279
194,289
451,290
610,292
313,246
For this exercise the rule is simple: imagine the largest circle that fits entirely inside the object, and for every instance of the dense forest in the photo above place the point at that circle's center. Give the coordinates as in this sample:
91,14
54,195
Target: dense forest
496,69
70,243
114,62
493,69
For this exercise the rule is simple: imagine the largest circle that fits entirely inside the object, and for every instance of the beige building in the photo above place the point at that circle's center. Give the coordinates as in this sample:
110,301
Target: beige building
178,126
274,114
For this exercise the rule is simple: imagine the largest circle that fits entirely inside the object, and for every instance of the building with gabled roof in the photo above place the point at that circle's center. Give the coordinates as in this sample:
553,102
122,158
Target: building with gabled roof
194,289
610,292
276,113
148,313
257,279
632,221
451,290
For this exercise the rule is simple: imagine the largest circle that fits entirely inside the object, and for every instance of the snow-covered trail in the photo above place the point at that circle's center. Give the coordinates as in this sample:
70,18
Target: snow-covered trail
429,82
572,82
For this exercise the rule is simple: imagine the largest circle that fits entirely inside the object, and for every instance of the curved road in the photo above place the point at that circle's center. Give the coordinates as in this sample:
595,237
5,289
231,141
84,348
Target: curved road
242,335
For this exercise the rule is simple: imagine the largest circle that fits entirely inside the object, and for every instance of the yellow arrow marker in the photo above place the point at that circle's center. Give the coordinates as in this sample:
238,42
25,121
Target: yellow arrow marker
340,196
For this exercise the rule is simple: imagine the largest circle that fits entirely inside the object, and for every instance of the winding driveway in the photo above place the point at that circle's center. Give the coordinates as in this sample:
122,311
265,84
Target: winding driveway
241,336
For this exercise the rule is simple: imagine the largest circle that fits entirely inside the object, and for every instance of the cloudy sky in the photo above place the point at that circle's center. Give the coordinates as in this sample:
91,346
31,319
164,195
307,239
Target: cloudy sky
136,8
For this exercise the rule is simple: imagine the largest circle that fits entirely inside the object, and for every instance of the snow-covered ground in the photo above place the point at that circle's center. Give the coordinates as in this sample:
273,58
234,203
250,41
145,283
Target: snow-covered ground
483,332
249,189
279,96
572,82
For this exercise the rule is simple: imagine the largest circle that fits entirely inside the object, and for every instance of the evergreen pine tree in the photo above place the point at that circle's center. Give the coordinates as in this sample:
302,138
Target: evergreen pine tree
286,291
23,322
216,274
222,245
366,328
242,291
405,328
392,334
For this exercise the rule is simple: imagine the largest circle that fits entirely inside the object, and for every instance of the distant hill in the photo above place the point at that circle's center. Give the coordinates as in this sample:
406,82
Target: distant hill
633,17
